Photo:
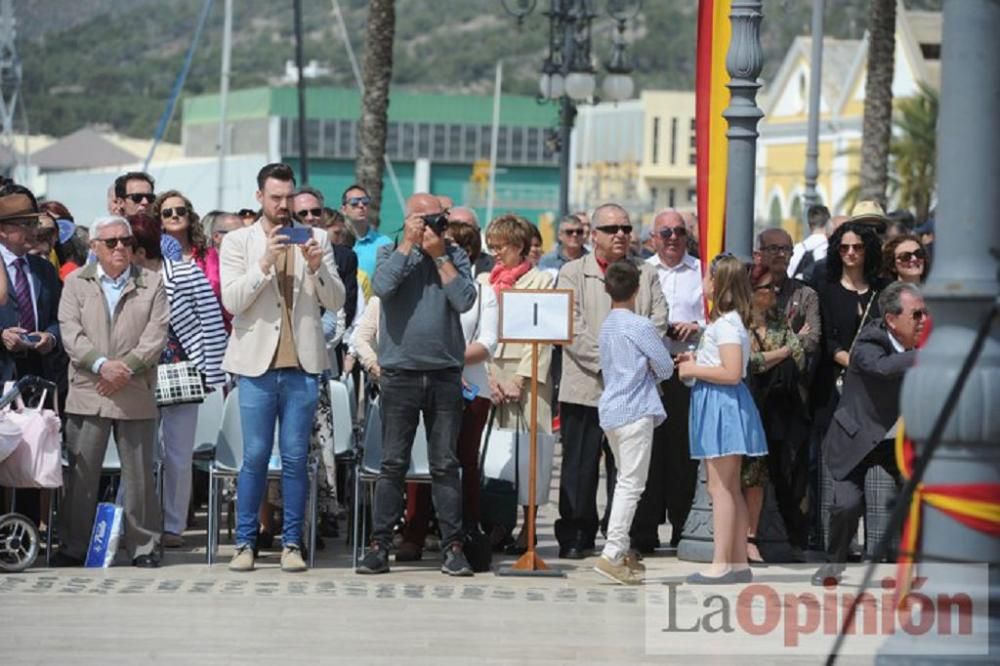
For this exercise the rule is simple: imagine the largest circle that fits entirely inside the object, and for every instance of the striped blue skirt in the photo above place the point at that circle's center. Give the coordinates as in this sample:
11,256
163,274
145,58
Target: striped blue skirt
724,421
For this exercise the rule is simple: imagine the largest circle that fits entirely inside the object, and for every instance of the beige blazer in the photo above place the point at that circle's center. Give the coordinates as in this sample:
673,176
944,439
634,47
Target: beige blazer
136,333
255,301
581,382
515,359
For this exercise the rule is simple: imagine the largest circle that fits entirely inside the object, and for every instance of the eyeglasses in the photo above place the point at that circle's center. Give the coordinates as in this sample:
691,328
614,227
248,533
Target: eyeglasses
358,201
613,229
112,243
309,212
139,197
908,257
919,314
179,211
782,249
495,249
859,248
666,233
573,232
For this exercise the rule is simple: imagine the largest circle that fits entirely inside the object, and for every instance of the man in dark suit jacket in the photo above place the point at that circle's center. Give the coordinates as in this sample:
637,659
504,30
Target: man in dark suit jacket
30,318
863,428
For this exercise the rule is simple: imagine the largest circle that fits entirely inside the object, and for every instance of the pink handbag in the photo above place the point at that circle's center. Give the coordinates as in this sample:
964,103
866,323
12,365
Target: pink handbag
37,460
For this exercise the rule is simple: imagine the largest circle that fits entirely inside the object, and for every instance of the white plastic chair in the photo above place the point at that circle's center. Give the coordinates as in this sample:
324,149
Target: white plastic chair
227,463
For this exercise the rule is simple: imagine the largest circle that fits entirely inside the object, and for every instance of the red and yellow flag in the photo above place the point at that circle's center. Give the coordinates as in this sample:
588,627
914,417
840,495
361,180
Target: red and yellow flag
711,98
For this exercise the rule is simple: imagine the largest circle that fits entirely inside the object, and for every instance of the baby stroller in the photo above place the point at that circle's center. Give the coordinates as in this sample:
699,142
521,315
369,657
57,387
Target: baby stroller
30,457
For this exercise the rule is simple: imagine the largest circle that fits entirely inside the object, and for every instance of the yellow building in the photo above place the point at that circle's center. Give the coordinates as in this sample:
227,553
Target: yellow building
668,170
781,150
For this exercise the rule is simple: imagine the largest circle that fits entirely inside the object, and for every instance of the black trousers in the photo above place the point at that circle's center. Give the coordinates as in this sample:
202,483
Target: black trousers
673,475
582,440
849,500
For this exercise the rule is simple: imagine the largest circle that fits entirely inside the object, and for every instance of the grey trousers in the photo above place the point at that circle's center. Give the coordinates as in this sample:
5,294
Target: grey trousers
86,444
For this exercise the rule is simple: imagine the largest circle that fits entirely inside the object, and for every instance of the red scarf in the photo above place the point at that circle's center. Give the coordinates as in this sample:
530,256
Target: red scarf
502,277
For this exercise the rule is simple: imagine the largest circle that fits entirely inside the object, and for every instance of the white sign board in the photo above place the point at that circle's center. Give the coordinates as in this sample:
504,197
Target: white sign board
528,315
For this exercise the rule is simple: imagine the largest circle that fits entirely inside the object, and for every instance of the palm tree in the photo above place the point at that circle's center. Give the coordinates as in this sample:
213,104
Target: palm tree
375,101
877,127
914,151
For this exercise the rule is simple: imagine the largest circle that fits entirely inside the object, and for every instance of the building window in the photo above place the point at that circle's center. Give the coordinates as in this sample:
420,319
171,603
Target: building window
346,140
654,194
692,194
409,141
533,148
693,143
455,143
439,142
517,144
470,144
672,198
392,140
673,141
485,136
424,140
656,140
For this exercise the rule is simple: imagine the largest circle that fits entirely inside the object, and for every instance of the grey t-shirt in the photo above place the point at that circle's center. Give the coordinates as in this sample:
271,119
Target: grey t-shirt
419,327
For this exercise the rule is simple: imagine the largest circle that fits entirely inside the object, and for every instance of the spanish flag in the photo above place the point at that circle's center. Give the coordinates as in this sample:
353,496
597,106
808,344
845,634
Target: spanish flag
711,98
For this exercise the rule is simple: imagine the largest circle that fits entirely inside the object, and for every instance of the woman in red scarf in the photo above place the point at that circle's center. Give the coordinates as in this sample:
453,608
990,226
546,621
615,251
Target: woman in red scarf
508,239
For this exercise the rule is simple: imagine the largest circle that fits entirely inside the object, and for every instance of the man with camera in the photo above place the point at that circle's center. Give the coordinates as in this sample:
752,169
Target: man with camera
424,285
276,276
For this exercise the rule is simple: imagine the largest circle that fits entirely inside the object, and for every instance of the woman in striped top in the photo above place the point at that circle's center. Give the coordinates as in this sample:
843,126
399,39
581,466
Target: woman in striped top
196,334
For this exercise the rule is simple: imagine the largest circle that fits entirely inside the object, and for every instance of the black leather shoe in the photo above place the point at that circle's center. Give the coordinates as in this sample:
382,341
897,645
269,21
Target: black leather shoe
61,559
146,562
572,552
828,574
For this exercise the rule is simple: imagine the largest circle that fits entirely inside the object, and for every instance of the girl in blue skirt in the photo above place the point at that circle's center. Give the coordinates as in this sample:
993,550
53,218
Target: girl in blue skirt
724,422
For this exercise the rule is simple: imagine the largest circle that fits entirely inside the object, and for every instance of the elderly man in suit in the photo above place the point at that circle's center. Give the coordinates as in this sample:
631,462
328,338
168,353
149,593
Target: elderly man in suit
860,436
274,285
114,318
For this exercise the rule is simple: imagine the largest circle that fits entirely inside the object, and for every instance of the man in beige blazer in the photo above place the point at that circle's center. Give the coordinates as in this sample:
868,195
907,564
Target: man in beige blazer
581,384
113,316
276,287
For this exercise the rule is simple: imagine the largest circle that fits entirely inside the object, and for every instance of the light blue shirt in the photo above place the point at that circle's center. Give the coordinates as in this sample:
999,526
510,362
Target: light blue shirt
367,250
112,288
634,359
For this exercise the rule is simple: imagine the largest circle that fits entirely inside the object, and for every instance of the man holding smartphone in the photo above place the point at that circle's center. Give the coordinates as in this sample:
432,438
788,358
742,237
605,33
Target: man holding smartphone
275,278
424,285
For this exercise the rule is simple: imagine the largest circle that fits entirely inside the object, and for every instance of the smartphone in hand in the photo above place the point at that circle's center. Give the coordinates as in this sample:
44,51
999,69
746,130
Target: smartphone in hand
31,338
296,235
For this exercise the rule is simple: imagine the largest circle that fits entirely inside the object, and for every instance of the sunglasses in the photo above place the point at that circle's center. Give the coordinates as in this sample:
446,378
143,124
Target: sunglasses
246,212
920,314
781,249
180,211
667,233
139,197
573,232
613,229
358,201
907,257
112,243
857,247
309,212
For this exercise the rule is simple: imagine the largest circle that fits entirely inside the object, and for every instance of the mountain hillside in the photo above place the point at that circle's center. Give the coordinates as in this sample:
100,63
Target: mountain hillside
114,62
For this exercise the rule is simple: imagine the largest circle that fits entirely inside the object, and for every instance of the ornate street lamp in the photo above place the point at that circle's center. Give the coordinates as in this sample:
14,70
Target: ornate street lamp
568,75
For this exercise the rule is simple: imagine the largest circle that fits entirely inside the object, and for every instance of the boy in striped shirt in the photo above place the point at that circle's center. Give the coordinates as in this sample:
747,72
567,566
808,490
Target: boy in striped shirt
634,360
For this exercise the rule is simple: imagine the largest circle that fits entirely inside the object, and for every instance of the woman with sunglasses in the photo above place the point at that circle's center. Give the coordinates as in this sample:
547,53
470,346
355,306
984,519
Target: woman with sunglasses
904,258
776,362
179,221
195,334
508,239
848,300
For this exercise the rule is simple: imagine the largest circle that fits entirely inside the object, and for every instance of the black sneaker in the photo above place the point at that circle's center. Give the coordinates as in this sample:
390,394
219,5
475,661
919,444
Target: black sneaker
375,561
455,563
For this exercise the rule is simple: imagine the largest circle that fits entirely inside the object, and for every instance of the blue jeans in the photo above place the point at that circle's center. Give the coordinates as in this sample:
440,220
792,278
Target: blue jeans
288,396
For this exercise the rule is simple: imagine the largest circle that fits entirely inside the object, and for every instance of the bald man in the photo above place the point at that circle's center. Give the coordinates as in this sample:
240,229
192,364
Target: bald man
424,285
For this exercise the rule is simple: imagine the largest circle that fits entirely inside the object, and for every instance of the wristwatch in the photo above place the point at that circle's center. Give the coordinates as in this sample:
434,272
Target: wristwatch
442,260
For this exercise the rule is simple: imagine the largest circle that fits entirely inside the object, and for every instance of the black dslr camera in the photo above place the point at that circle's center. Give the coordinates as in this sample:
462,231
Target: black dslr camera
438,222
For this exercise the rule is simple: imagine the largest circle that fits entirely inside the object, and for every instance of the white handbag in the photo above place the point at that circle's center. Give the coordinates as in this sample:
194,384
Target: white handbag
499,461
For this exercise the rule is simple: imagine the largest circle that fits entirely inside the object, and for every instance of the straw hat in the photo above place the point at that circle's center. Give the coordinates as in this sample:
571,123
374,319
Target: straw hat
870,213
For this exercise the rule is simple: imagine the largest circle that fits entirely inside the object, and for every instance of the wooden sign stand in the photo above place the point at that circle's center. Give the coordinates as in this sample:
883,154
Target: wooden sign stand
554,327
